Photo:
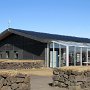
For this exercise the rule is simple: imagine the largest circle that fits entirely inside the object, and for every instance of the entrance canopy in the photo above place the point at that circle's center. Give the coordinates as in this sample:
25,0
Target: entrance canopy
72,44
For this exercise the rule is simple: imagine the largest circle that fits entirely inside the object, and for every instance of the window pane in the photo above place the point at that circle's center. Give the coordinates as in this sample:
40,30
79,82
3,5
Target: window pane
84,55
71,55
77,56
63,55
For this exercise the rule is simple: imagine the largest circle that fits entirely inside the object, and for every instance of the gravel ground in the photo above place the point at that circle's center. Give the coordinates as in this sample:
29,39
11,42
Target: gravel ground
42,83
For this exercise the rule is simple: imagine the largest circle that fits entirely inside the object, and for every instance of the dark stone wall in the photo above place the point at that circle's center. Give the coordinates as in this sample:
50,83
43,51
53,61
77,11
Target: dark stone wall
15,81
26,48
22,64
72,78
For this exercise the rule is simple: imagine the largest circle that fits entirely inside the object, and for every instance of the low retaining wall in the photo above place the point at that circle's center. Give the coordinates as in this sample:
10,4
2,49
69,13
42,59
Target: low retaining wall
72,78
21,65
14,82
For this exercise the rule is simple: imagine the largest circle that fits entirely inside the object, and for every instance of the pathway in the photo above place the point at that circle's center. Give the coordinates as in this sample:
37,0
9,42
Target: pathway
42,83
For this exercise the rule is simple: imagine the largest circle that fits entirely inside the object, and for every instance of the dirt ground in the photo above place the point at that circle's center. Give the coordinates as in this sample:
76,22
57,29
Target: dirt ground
41,79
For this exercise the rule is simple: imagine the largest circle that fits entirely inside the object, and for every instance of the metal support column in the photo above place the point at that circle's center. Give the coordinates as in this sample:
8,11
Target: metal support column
47,59
67,55
74,56
81,56
87,57
53,55
59,55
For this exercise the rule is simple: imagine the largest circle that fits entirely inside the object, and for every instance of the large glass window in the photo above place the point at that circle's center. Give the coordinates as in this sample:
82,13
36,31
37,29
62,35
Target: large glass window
84,55
63,55
57,55
54,55
78,56
71,55
88,55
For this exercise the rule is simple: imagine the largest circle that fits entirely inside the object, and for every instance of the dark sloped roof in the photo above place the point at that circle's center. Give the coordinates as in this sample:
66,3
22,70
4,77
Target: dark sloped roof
42,37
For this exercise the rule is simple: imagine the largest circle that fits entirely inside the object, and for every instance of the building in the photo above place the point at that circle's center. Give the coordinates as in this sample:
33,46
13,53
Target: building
55,50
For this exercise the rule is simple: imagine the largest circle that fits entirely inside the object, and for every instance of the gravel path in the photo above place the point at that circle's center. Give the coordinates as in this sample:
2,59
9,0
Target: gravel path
42,83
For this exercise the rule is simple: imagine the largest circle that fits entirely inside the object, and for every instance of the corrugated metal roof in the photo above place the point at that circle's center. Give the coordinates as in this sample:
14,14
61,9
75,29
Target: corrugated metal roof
46,37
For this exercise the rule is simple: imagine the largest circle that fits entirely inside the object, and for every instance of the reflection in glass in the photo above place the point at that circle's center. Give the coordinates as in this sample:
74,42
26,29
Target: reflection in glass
88,55
63,55
54,55
84,55
77,56
71,55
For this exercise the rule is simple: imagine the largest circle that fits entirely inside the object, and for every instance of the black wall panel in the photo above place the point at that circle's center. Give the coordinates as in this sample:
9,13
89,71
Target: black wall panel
26,48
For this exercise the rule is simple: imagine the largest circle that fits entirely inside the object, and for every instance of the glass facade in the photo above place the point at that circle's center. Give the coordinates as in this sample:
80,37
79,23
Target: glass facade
72,56
78,56
68,54
63,56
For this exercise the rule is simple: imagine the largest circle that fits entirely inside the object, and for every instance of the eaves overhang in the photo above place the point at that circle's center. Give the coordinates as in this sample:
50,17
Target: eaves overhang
10,31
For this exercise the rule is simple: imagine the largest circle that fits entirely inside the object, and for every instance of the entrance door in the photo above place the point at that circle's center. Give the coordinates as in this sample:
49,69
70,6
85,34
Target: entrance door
54,60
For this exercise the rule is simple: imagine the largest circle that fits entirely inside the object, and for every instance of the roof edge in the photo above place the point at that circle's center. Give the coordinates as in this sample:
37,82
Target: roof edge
9,31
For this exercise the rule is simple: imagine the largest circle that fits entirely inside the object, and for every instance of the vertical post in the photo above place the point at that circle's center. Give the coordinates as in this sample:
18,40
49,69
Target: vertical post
81,56
47,56
67,55
74,56
59,55
87,57
53,56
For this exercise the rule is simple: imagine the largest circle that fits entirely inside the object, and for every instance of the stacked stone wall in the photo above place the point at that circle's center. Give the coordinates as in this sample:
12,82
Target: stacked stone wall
14,82
72,79
21,65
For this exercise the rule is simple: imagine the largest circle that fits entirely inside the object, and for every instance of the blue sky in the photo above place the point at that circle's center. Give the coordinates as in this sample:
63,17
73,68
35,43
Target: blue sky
65,17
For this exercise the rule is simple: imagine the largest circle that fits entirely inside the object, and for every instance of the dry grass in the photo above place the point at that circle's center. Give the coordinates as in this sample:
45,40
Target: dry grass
42,72
76,68
14,60
39,72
